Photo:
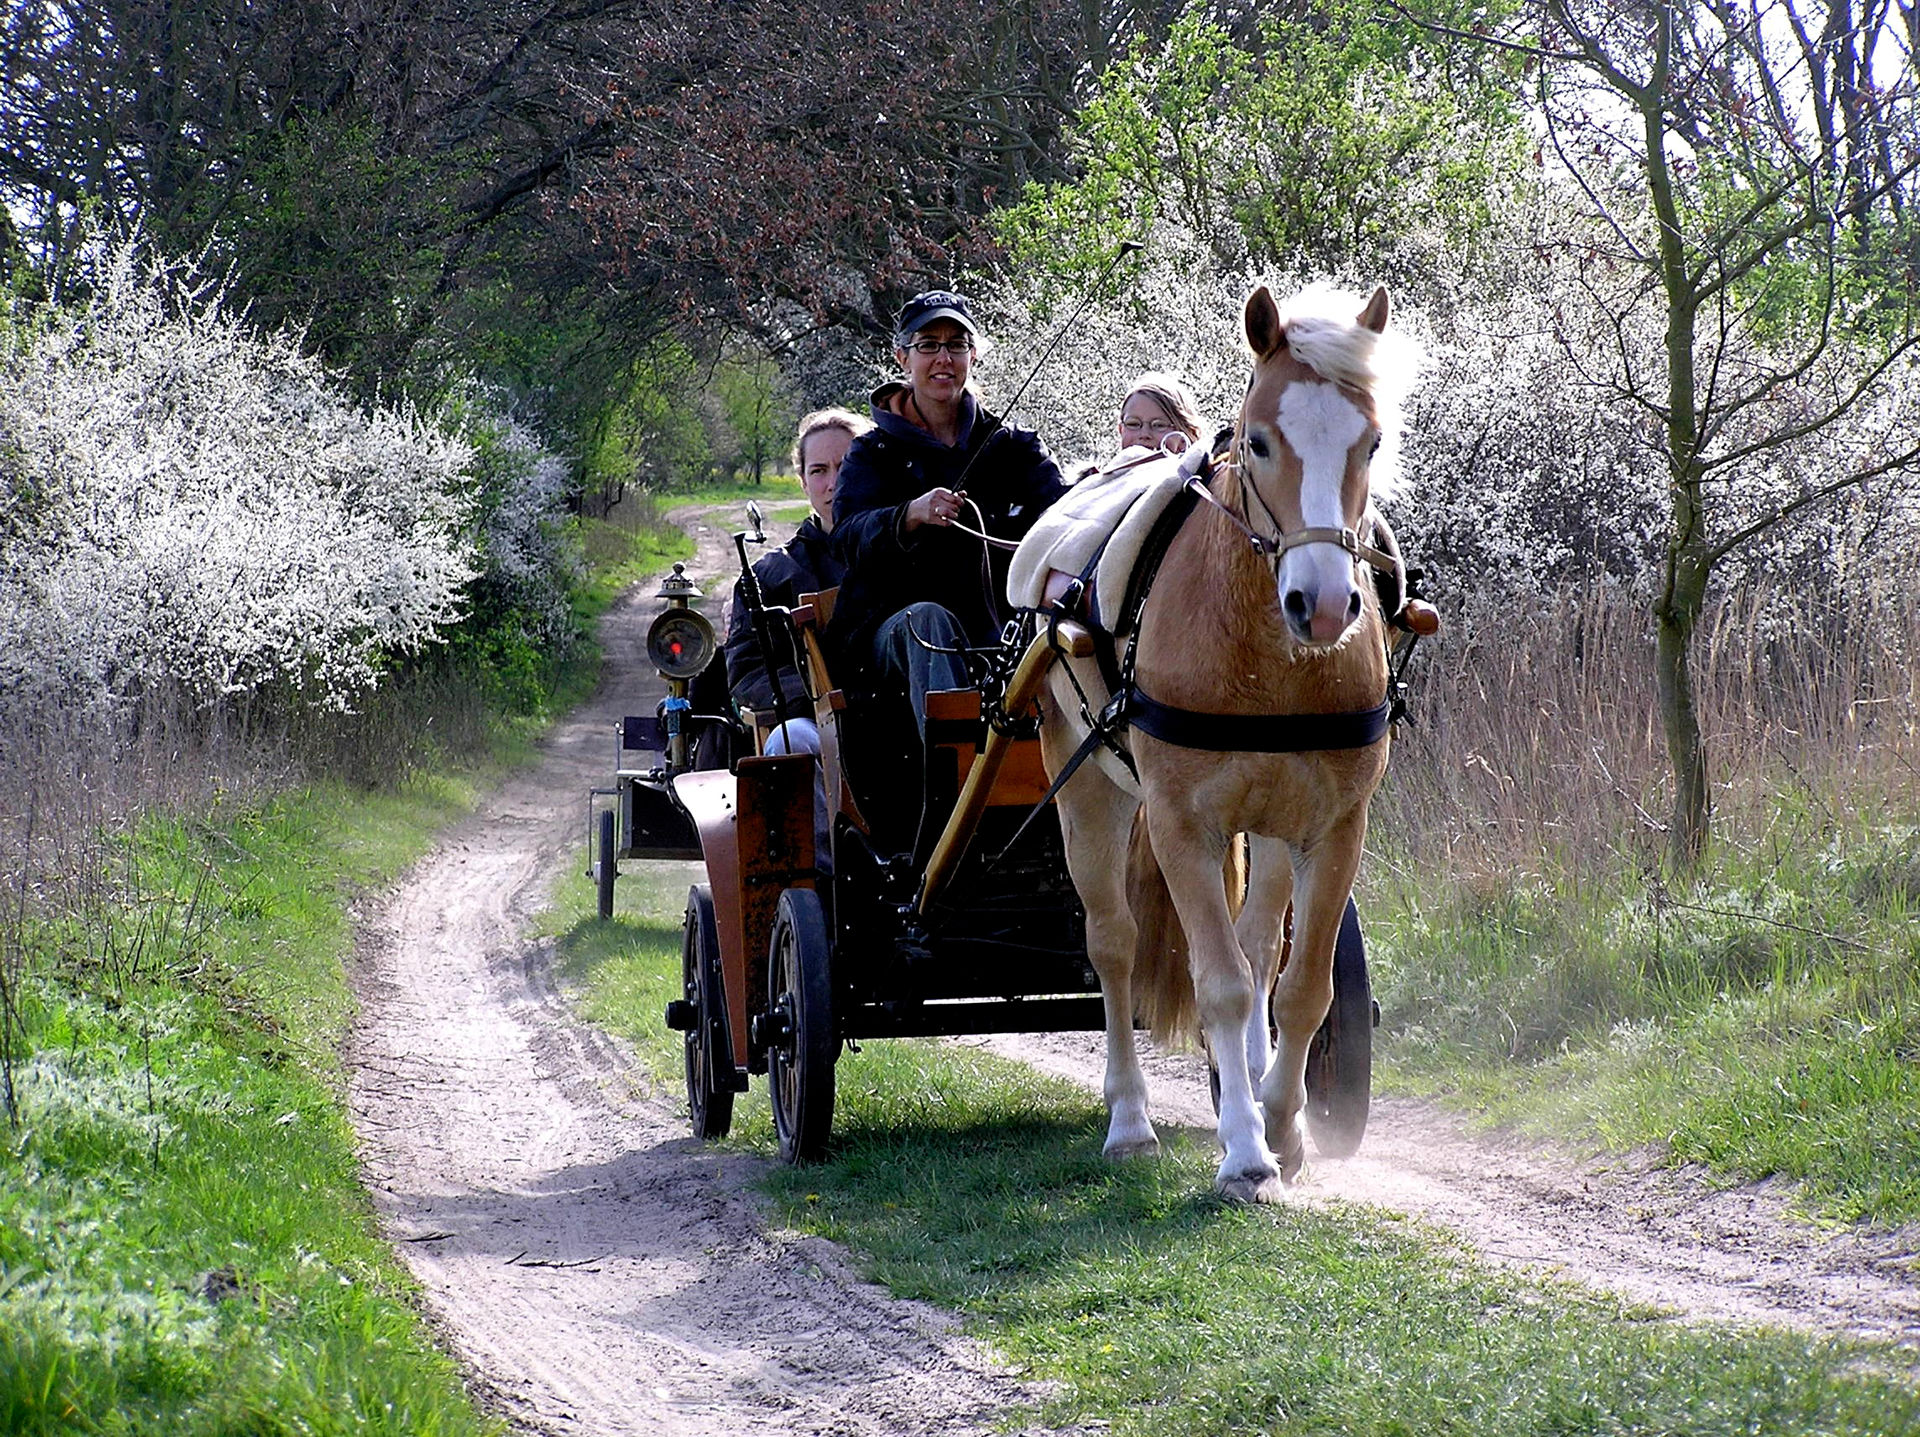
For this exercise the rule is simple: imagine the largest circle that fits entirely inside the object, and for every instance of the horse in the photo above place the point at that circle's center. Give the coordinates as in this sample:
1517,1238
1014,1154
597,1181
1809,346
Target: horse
1257,609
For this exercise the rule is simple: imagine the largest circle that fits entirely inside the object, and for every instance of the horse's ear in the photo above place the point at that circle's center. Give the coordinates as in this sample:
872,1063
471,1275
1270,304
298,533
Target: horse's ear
1264,331
1374,316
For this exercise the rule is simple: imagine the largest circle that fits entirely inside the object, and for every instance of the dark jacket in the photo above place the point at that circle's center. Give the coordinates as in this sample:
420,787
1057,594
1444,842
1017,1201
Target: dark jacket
804,566
888,568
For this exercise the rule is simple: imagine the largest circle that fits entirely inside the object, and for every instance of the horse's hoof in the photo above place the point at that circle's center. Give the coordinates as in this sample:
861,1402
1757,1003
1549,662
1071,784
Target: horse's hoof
1252,1187
1288,1146
1119,1149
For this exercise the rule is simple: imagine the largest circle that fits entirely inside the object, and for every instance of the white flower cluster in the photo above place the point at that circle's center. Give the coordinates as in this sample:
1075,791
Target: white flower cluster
530,557
1533,459
192,504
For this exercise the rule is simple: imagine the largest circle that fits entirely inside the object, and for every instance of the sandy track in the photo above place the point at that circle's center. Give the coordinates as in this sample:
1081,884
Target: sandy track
599,1272
1653,1234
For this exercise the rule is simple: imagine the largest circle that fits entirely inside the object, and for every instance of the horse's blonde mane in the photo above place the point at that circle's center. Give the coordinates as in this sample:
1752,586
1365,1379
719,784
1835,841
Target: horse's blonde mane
1324,333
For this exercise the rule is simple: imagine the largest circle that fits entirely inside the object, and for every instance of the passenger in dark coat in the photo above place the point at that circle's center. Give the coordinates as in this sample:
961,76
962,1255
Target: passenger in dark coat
933,460
806,564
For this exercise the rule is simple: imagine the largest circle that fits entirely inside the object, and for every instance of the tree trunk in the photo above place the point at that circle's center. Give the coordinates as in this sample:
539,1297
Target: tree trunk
1675,622
1689,563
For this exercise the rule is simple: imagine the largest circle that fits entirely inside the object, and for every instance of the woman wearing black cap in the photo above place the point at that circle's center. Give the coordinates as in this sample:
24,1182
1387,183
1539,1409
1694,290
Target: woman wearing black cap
934,456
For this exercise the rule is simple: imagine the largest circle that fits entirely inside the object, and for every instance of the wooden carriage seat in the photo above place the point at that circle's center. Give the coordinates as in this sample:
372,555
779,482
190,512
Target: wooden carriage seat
1020,778
810,618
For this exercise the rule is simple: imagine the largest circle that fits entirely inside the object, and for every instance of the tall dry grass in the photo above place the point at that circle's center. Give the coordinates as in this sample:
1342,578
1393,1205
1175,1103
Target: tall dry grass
75,781
1537,748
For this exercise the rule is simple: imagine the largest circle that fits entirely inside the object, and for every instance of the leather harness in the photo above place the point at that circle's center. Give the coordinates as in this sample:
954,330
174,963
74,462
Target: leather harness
1187,728
1129,705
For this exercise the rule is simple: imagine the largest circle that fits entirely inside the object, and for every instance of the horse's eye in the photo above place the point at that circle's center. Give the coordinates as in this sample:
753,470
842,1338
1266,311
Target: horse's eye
1374,448
1257,446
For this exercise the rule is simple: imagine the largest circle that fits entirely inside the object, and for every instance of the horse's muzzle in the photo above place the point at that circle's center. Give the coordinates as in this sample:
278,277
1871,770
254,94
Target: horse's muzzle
1320,615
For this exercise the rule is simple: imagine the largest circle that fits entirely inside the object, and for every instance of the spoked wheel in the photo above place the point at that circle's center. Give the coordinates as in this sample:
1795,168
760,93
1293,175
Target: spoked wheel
604,867
803,1035
1340,1061
710,1078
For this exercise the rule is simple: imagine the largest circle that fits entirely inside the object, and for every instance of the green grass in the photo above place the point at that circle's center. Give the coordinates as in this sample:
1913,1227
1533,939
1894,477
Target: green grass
622,558
777,487
1762,1020
184,1243
185,1246
1150,1306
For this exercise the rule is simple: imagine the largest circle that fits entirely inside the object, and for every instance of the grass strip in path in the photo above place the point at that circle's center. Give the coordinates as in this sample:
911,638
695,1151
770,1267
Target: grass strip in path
971,1183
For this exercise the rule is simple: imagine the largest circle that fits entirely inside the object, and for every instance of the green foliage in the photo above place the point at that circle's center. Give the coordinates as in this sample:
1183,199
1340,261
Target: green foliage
333,231
184,1242
757,415
1764,1019
1331,140
649,432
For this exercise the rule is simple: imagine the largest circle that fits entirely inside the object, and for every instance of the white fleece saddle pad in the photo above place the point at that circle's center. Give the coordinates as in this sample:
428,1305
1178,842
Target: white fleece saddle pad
1116,506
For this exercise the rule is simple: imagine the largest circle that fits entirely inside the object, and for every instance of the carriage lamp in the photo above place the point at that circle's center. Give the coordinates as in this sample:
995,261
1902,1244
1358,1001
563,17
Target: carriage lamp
680,643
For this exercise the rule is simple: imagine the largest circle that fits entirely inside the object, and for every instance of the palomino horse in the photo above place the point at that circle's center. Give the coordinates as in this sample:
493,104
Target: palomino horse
1258,609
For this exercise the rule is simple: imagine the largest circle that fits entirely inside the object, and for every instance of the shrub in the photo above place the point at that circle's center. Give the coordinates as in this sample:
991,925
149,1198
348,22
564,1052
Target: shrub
194,503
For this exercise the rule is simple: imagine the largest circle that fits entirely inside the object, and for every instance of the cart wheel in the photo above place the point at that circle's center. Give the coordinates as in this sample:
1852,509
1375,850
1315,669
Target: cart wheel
803,1036
709,1089
604,869
1340,1062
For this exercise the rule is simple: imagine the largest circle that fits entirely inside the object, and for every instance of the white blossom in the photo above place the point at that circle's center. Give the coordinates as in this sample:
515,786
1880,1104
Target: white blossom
194,503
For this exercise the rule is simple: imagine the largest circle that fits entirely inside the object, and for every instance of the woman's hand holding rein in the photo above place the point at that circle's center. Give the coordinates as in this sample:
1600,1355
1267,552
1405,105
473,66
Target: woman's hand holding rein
936,506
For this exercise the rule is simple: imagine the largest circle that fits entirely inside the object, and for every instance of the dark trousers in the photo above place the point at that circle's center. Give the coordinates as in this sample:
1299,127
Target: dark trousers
902,659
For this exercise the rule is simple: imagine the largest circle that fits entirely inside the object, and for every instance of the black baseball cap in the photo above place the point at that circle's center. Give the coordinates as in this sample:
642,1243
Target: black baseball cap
930,305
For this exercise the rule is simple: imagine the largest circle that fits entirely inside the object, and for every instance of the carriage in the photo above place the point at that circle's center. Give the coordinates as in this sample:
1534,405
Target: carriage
1167,810
904,928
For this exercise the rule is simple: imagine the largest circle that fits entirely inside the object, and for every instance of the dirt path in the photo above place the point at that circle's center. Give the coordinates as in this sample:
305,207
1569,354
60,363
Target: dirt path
601,1273
597,1270
1657,1235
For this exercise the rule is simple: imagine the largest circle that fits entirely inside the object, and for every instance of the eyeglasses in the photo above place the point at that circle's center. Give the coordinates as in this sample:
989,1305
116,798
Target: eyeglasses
962,345
1152,426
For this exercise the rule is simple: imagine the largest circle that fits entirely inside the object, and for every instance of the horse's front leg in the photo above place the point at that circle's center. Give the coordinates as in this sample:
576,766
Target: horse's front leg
1261,930
1096,820
1190,856
1323,879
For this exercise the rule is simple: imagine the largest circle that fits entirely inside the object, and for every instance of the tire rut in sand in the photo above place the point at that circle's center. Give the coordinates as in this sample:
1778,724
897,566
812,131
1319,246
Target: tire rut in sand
1628,1225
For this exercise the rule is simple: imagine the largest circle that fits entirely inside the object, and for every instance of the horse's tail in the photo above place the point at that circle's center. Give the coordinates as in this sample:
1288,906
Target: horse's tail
1162,978
1162,983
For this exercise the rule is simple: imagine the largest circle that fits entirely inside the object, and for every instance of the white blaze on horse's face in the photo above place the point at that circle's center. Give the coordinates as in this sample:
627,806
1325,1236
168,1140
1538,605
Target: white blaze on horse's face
1319,591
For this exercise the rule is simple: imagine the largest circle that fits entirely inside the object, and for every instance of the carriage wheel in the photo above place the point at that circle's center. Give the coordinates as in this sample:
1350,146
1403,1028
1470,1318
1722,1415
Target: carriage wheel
604,869
803,1036
709,1053
1340,1060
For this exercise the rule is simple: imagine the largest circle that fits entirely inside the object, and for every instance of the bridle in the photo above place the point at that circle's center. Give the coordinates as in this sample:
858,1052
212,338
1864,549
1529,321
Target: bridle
1275,546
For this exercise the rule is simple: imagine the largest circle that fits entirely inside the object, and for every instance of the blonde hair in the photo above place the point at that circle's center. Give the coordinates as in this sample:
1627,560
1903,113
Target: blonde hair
830,418
1173,398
